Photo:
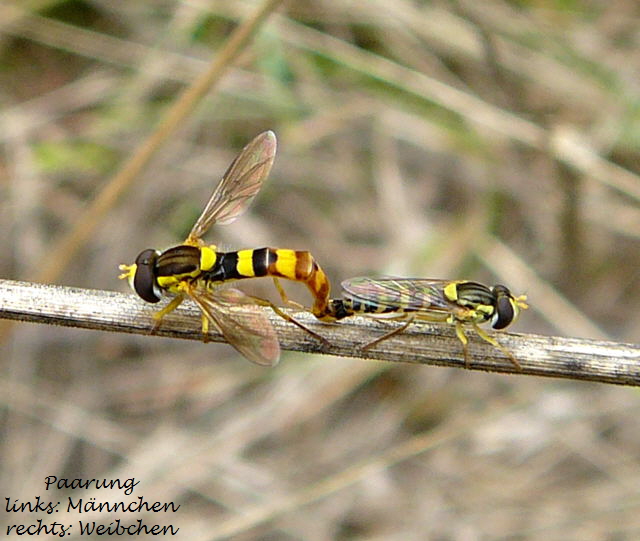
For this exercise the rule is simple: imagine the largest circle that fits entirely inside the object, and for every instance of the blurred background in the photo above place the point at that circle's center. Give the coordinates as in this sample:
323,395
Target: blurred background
496,141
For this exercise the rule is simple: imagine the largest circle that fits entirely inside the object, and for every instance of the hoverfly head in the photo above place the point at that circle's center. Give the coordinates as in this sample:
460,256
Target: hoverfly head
507,307
142,276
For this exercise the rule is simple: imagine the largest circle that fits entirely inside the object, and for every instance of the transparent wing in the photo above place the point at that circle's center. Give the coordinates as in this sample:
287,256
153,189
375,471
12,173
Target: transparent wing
252,335
399,293
241,182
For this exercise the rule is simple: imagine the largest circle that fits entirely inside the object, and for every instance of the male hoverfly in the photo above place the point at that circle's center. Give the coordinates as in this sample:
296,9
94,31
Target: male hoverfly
196,270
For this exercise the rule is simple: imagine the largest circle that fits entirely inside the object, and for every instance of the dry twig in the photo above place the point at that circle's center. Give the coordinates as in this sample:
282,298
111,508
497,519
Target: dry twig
434,344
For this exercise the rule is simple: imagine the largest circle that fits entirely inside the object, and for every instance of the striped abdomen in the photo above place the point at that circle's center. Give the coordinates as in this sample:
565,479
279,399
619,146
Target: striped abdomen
341,308
299,266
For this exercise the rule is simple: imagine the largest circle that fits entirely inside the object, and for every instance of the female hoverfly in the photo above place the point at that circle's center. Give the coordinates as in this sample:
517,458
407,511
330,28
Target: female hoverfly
195,270
458,302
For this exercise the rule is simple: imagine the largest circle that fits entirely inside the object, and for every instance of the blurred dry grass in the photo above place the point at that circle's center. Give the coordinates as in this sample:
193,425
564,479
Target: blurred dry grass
496,141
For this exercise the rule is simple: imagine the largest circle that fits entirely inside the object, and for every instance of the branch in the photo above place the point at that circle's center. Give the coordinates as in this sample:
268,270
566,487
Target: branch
422,343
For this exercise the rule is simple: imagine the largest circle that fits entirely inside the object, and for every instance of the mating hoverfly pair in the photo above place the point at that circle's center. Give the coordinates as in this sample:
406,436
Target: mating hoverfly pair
197,271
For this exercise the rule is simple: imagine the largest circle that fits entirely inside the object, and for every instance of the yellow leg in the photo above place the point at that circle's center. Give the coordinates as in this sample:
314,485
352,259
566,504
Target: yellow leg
398,330
287,317
283,295
205,328
465,343
482,334
175,302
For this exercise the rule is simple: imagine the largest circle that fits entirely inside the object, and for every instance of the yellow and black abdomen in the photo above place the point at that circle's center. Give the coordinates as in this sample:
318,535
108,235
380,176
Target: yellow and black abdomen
340,308
299,266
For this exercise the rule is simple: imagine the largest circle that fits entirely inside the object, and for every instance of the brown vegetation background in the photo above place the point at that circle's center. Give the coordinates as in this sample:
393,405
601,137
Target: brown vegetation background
496,141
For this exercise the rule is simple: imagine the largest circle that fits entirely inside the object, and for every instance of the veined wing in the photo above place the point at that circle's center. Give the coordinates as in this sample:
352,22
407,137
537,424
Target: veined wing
252,335
422,294
241,182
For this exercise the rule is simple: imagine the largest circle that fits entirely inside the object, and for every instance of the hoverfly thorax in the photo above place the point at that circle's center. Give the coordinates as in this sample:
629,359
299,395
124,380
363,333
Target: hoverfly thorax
181,261
176,265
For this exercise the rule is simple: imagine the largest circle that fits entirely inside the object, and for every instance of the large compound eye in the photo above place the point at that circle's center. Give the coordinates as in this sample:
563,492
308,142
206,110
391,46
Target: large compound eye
505,308
144,281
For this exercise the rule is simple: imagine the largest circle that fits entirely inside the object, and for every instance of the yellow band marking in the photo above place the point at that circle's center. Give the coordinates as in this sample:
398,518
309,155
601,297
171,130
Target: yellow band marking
245,263
451,291
208,257
286,263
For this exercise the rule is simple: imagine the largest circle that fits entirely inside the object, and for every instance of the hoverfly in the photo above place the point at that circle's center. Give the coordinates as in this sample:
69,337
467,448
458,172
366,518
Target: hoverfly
458,302
195,270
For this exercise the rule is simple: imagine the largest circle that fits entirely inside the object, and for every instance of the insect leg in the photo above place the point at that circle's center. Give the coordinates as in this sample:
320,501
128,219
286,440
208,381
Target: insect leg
175,302
283,295
398,330
486,337
465,342
287,317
